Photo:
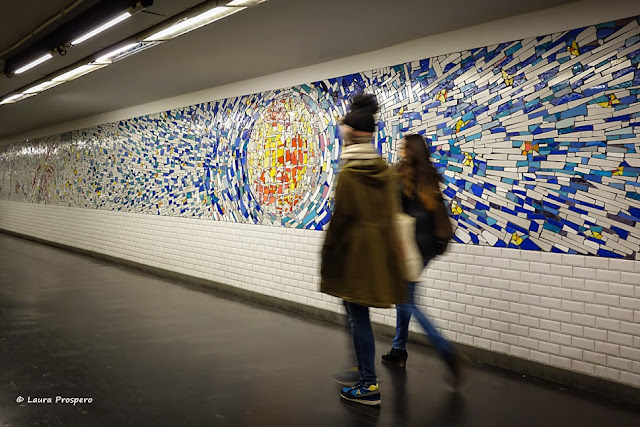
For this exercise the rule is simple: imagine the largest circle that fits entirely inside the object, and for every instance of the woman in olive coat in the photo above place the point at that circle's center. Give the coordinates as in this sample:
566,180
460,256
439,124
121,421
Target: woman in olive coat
360,262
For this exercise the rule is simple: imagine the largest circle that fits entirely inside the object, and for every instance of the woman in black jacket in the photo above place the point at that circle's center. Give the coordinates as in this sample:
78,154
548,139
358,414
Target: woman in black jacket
420,195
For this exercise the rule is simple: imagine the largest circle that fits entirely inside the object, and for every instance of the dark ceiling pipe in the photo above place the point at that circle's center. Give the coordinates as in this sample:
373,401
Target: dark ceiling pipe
59,38
60,17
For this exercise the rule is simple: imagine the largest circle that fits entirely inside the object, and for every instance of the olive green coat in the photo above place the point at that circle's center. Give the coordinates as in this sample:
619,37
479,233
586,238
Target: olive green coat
360,261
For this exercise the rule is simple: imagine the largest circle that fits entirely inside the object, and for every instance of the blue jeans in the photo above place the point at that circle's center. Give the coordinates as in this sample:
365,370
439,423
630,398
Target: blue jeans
363,341
404,313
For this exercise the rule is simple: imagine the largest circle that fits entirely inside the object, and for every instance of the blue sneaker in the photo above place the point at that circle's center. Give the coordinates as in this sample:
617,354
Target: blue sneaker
361,393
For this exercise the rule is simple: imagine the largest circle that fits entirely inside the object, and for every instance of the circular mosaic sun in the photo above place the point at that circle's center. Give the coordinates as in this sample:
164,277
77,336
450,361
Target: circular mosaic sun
283,155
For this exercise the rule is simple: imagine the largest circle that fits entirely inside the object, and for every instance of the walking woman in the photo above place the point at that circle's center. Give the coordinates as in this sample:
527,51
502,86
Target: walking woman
360,261
420,195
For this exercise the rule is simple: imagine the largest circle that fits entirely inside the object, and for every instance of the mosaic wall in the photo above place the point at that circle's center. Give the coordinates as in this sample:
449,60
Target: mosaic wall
538,141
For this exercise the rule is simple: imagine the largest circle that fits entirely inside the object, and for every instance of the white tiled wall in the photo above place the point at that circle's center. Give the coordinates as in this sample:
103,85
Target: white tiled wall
573,312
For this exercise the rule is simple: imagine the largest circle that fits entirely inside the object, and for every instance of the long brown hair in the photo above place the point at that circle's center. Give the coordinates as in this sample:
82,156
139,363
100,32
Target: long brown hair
417,173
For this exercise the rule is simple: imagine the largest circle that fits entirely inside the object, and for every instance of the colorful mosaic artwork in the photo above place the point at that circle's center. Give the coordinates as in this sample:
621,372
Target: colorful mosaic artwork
538,142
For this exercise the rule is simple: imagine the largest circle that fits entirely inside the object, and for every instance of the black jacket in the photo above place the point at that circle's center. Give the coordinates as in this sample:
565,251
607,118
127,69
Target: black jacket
412,206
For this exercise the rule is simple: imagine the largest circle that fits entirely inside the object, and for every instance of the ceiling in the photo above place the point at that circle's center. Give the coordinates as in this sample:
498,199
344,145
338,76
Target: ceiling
275,36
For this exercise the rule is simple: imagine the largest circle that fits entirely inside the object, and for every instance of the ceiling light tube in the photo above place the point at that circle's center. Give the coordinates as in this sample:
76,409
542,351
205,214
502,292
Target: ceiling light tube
12,98
77,72
194,23
41,87
102,28
245,2
26,95
33,63
116,52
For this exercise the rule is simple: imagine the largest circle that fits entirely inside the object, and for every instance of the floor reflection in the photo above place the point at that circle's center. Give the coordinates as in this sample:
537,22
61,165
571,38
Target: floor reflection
450,409
453,411
400,408
358,415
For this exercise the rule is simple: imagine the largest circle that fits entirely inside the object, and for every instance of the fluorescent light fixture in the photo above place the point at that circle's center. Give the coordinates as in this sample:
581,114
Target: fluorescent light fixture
245,2
116,52
194,23
12,98
26,95
77,72
41,87
179,28
101,28
32,64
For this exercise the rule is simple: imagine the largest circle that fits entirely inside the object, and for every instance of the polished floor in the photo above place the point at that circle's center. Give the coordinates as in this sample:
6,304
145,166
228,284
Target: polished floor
151,352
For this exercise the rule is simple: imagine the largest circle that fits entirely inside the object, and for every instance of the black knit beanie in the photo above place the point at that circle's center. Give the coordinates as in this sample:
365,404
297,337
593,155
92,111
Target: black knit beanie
360,115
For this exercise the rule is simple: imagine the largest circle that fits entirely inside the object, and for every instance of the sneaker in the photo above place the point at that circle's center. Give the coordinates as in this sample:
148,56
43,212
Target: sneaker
396,357
361,393
348,376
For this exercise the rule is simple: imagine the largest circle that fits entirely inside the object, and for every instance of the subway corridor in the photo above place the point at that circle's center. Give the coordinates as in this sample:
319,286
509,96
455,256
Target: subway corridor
154,352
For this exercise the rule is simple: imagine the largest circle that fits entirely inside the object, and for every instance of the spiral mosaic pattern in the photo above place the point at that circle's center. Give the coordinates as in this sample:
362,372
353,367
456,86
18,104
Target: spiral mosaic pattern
537,140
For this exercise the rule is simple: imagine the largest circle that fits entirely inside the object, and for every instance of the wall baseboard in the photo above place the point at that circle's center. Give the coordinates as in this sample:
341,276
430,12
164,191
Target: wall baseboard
595,387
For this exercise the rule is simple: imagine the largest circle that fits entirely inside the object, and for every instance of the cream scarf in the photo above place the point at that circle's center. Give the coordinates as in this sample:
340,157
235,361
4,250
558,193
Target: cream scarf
357,144
359,152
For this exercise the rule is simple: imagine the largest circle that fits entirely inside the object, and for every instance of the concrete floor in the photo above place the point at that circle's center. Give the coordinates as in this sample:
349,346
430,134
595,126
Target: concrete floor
151,353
